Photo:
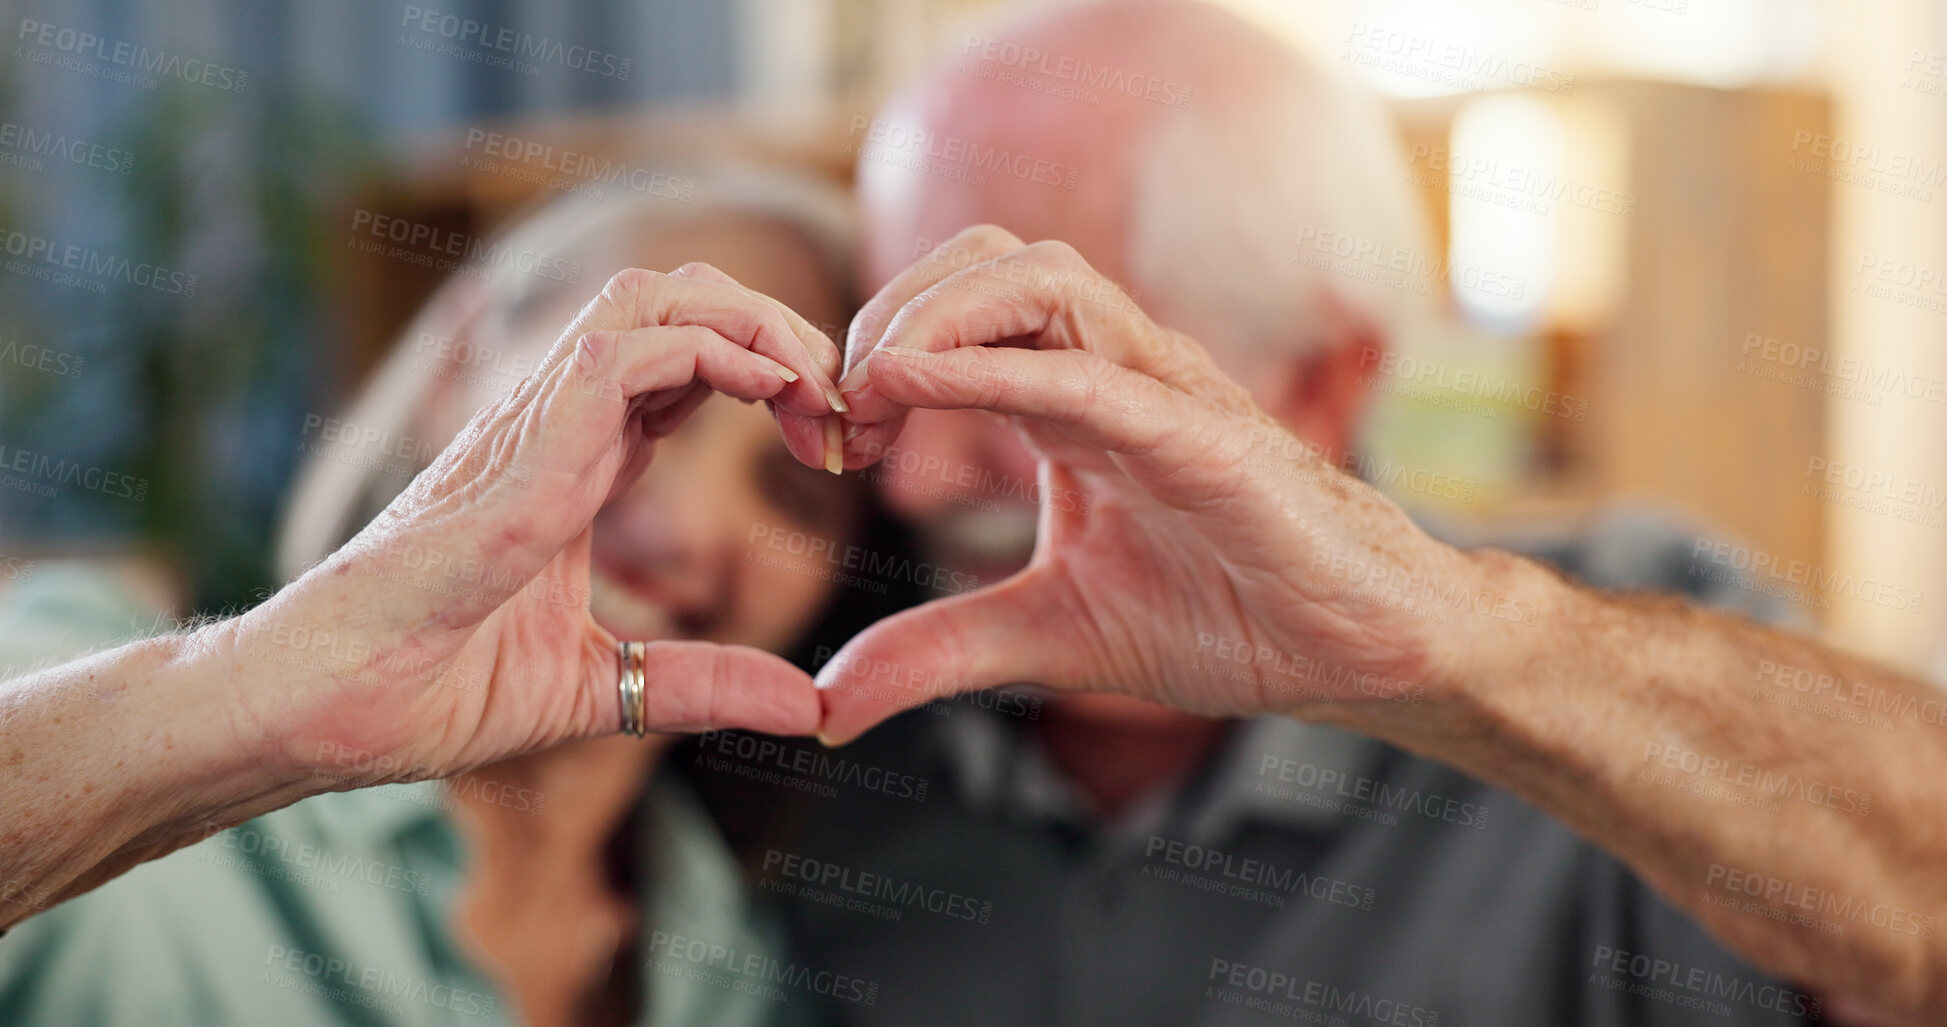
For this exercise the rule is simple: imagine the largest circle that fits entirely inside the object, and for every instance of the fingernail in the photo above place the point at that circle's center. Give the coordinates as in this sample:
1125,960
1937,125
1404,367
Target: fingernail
834,446
837,401
777,366
861,391
906,352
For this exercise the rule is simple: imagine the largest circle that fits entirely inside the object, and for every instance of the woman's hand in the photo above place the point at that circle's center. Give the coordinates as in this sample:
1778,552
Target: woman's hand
452,632
454,629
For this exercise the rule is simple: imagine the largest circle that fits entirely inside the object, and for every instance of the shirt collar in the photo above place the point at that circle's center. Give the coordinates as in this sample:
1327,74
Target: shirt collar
1270,771
995,769
1266,770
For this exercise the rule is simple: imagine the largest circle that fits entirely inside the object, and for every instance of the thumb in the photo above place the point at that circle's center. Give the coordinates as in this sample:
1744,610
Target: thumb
701,686
1003,634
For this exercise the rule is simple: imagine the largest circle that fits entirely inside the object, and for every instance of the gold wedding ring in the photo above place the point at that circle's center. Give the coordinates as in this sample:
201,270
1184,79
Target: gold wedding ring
635,711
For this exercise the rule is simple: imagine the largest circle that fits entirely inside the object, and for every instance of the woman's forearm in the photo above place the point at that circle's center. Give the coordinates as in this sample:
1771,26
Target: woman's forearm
452,632
125,756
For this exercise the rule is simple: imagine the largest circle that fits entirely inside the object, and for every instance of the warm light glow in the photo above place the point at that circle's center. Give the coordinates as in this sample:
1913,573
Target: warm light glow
1414,48
1504,251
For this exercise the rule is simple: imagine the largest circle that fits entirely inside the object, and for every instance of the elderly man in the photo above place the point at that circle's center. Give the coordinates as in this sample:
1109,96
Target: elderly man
1130,864
1108,863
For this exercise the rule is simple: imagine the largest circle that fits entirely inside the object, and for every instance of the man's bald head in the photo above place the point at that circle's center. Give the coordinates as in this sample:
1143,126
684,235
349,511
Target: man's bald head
1200,152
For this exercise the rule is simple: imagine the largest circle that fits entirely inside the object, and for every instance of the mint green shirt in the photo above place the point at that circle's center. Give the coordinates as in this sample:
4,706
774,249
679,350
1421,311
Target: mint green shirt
335,911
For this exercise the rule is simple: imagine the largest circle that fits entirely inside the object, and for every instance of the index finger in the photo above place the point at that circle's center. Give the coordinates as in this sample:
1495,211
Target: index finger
972,245
636,298
1043,295
807,437
866,439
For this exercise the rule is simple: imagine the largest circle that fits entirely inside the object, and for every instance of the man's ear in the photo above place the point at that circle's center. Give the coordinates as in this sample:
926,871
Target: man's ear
1321,395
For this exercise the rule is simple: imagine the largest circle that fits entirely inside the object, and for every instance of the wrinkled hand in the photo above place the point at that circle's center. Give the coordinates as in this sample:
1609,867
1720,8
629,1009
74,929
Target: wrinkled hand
454,629
1190,550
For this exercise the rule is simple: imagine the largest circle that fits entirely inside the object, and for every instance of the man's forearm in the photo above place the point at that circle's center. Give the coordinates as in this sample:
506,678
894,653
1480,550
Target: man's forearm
122,757
1813,842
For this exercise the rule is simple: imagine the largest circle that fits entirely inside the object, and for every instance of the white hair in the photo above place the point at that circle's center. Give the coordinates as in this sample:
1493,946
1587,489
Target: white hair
1232,199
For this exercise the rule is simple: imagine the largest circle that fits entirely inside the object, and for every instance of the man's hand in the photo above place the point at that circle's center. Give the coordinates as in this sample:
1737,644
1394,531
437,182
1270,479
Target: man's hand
454,630
1191,552
1200,554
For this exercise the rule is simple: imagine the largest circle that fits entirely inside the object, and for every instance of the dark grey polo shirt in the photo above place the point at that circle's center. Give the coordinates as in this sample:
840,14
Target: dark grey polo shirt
1302,875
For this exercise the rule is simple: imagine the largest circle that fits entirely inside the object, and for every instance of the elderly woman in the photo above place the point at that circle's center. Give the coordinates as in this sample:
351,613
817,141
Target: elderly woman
524,888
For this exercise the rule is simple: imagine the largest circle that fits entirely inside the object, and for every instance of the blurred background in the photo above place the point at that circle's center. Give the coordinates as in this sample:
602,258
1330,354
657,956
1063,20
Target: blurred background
1695,250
